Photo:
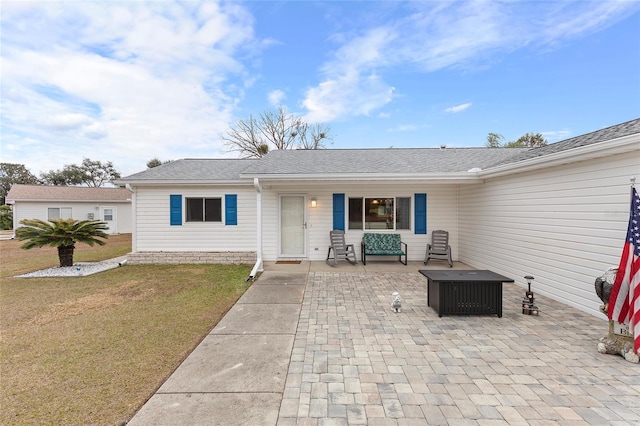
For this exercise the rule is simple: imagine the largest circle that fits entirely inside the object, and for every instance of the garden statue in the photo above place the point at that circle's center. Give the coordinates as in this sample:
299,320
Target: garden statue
619,340
396,304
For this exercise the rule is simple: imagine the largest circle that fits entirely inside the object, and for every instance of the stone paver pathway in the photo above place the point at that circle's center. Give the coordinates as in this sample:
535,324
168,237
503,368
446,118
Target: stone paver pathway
355,361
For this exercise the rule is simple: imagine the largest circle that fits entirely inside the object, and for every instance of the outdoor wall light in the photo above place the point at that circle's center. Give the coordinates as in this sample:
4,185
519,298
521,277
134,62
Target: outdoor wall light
314,203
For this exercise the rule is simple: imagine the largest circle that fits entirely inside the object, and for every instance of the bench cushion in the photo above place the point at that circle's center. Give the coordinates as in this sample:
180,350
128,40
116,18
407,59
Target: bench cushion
382,244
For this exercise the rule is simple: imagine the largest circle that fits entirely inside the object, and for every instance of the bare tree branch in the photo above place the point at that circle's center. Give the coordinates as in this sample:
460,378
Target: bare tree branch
275,129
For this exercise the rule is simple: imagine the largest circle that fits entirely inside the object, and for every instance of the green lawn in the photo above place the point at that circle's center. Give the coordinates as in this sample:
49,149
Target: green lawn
92,350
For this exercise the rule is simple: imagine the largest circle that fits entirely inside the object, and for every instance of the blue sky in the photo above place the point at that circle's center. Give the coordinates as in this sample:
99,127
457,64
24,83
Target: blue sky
132,80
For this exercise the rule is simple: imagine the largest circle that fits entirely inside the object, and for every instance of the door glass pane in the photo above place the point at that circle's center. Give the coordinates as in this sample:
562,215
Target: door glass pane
292,225
108,215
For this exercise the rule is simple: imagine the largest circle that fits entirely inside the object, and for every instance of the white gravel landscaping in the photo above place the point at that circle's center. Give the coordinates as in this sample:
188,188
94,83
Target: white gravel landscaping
80,269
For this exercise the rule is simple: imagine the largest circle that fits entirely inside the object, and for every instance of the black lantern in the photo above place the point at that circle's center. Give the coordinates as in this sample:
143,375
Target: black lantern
528,303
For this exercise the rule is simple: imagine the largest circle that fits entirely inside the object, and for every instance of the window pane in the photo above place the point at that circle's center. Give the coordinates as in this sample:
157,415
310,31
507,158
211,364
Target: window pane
355,213
403,212
378,213
213,210
53,213
65,212
194,210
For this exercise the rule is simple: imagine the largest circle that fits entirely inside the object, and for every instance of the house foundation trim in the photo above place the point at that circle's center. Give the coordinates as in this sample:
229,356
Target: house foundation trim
193,257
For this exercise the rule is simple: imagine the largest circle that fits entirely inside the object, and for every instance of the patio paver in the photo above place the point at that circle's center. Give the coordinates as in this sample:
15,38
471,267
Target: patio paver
412,367
325,348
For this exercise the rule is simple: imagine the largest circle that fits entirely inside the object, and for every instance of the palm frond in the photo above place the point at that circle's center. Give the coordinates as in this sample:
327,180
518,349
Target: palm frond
61,232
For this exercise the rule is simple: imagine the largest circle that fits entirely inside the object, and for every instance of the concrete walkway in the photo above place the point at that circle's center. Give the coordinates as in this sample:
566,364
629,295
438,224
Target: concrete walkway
309,344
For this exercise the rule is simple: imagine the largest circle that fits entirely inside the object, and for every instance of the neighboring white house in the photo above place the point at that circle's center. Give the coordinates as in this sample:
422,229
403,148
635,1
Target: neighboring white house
111,205
557,212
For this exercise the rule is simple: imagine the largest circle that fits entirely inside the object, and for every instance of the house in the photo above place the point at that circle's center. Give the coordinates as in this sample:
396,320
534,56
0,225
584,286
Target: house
111,205
557,212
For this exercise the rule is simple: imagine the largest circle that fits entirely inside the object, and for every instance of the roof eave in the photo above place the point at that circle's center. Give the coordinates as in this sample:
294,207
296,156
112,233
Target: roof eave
454,177
190,182
66,200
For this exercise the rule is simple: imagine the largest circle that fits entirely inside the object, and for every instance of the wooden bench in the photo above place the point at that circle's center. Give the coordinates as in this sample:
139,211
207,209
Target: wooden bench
379,244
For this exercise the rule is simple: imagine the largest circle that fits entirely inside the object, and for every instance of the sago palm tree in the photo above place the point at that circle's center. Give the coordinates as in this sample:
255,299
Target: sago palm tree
61,233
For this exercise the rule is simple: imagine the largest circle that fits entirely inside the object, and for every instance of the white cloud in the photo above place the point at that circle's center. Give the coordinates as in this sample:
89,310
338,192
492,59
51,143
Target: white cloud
458,108
276,97
95,131
438,35
141,78
67,121
347,95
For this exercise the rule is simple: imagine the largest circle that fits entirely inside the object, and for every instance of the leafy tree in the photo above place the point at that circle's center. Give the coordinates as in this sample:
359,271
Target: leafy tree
11,174
90,173
155,162
61,233
277,129
6,218
531,140
494,140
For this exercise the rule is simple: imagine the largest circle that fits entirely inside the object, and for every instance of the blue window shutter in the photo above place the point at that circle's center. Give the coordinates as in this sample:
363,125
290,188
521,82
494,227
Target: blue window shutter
420,213
230,209
175,209
338,211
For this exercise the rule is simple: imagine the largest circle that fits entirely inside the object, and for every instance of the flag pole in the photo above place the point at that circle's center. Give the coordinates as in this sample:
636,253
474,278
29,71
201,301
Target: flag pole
625,292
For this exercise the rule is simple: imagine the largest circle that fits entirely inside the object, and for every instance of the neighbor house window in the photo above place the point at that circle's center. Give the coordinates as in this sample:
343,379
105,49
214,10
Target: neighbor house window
59,213
204,209
380,213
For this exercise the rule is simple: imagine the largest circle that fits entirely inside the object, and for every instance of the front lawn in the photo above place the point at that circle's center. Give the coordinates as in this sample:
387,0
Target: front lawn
92,350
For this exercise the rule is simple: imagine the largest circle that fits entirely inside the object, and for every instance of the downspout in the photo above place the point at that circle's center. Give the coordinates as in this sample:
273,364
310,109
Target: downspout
15,219
134,222
258,266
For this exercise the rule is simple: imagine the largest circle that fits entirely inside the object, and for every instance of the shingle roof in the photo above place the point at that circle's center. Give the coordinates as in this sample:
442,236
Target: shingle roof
351,162
382,161
220,169
606,134
66,193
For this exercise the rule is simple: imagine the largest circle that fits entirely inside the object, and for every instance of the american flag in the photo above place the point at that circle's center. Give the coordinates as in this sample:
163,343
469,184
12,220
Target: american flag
624,302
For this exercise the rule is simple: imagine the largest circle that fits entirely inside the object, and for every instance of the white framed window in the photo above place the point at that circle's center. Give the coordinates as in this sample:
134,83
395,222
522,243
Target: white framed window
58,213
379,213
108,214
203,209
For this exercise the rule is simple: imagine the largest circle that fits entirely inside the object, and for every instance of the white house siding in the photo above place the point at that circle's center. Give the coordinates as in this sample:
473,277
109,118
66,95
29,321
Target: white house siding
441,214
154,232
79,211
563,225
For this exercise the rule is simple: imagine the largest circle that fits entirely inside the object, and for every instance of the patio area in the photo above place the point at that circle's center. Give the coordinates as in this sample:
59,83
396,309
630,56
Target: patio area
355,361
311,344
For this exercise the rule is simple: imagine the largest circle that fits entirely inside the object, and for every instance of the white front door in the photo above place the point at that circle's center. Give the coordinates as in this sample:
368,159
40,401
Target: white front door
108,215
292,226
